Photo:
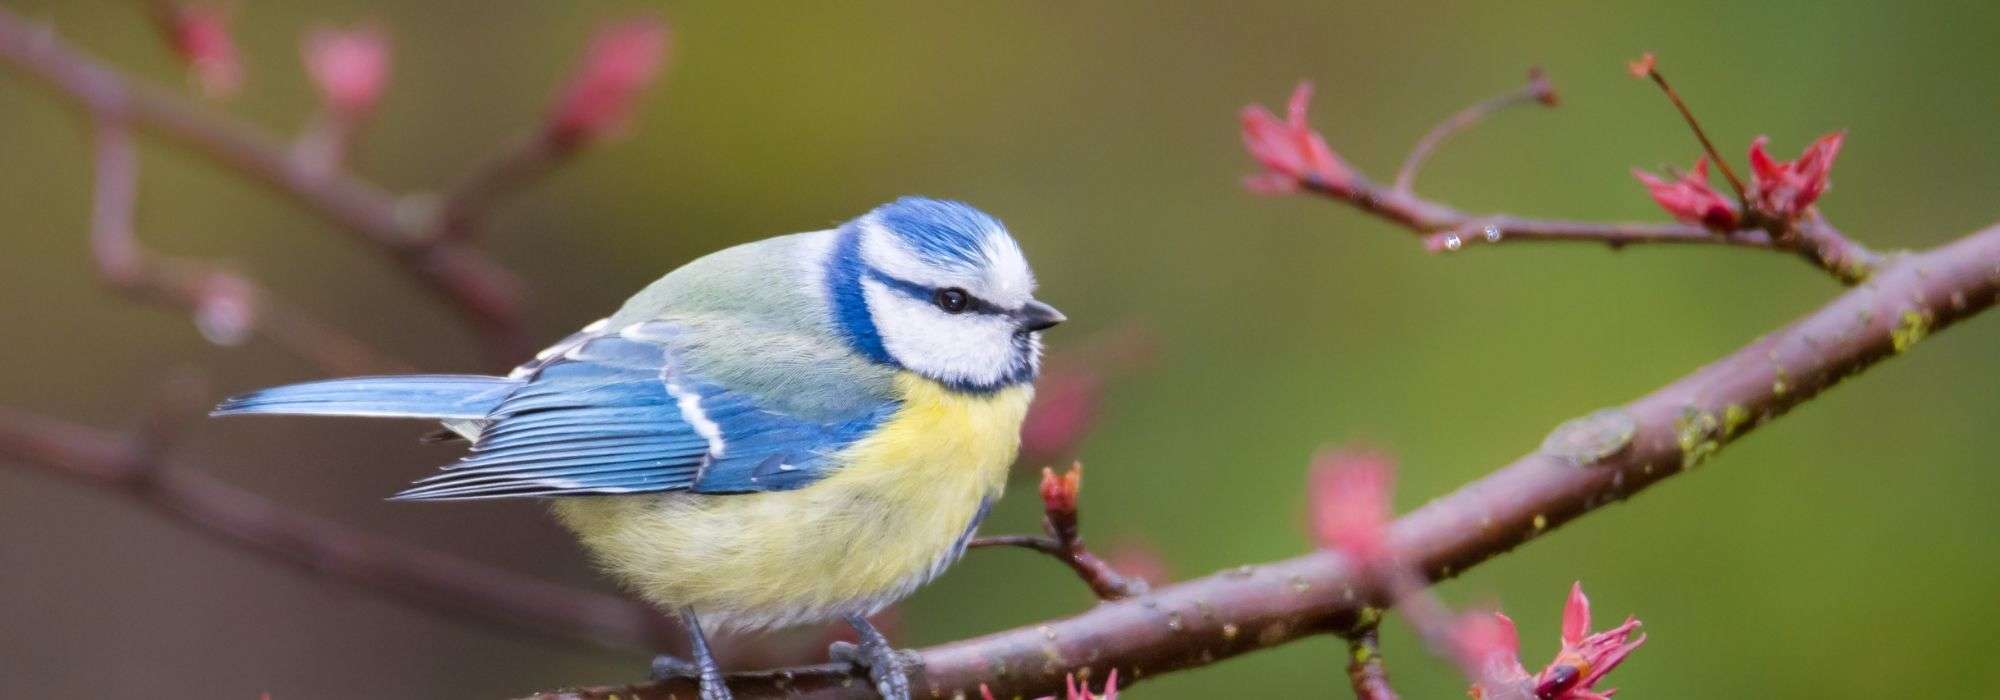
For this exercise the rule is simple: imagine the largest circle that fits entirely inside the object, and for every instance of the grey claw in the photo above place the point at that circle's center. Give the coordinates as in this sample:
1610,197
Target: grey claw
888,668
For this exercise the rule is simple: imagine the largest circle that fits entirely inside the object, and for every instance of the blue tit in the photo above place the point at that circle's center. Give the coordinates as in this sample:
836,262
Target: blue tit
794,430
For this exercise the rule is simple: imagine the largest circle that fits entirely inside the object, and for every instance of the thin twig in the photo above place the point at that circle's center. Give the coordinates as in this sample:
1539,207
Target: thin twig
530,158
1364,667
224,304
1444,229
1728,173
1064,539
483,292
1207,620
1538,90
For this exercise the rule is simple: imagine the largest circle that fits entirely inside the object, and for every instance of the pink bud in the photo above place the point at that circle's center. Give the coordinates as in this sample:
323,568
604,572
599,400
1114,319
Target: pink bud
1059,492
1643,66
225,309
1348,494
621,61
350,67
200,35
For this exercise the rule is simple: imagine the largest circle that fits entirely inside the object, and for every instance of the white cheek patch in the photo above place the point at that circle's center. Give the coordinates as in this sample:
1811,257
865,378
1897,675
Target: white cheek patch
969,348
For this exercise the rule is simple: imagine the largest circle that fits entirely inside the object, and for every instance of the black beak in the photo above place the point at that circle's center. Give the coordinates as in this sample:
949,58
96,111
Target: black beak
1037,316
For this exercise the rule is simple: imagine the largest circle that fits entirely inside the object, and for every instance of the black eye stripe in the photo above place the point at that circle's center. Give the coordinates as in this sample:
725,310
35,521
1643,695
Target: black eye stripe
973,304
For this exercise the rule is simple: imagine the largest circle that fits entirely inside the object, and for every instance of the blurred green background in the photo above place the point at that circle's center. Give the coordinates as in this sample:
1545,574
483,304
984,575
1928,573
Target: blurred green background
1846,551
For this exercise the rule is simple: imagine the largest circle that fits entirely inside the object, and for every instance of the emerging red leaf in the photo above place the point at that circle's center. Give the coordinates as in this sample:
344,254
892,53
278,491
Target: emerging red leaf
1690,200
1585,658
1784,189
1293,155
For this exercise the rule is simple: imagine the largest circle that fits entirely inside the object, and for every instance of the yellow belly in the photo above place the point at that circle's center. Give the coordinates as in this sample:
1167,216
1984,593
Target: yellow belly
886,521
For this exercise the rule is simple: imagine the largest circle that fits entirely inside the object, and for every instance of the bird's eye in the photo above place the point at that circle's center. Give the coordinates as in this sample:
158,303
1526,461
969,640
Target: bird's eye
951,299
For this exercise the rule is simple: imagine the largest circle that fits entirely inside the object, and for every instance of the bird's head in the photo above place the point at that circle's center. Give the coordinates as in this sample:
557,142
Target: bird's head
939,288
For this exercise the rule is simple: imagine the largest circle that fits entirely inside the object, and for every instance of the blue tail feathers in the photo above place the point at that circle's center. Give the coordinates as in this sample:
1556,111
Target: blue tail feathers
461,396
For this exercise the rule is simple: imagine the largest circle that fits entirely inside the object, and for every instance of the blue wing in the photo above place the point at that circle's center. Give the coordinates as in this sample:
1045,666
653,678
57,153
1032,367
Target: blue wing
615,413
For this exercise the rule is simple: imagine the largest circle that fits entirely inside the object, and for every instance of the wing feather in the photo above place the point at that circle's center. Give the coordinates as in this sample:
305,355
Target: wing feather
608,412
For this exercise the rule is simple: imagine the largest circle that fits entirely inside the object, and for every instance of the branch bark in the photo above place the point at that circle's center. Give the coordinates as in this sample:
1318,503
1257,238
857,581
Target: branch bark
130,466
1586,464
1364,668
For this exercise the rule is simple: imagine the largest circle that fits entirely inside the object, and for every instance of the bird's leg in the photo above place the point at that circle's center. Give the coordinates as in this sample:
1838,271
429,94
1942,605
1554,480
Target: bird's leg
668,667
704,667
887,667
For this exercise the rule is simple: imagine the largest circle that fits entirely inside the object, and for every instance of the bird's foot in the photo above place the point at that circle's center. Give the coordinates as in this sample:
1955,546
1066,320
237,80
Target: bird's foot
887,666
667,667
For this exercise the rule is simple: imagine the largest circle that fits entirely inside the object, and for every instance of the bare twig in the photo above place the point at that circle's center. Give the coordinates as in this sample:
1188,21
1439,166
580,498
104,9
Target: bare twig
1064,539
1538,90
1285,149
226,306
131,466
528,159
1444,229
1675,428
486,294
1364,667
1648,69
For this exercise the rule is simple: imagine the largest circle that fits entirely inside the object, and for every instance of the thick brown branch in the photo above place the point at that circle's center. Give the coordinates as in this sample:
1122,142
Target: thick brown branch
1587,464
426,578
485,293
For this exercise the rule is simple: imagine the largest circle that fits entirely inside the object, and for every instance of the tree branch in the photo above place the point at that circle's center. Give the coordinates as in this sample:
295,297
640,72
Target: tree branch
1364,667
1538,90
486,294
1296,158
226,306
131,467
1444,229
1064,539
1586,464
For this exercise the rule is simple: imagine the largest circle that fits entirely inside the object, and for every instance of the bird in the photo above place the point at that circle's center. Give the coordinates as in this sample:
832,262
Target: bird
794,430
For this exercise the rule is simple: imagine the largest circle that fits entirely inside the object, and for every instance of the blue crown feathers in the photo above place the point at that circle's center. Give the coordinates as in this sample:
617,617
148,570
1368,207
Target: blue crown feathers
940,230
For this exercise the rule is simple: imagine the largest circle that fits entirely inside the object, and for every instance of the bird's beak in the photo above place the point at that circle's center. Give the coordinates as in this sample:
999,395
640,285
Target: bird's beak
1037,316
